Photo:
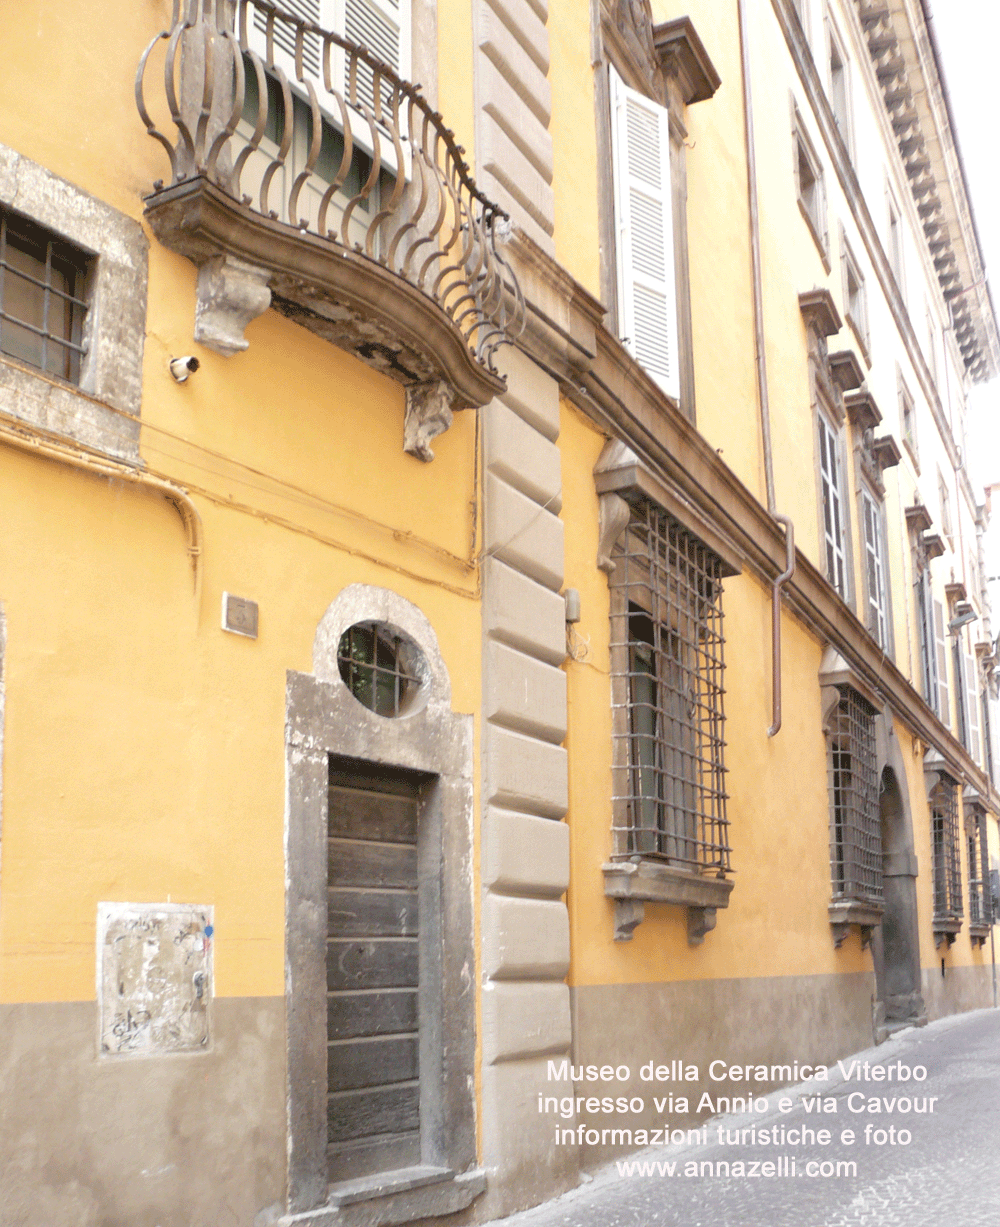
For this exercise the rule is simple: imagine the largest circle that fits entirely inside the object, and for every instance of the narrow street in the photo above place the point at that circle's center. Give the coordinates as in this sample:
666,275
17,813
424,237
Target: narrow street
934,1168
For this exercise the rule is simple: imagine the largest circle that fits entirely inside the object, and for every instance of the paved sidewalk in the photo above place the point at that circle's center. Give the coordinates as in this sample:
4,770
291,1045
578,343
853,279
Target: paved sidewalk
948,1175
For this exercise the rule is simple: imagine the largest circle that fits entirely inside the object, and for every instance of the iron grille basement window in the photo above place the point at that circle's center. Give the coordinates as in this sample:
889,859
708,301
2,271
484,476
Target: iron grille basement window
372,665
42,309
667,695
944,846
855,837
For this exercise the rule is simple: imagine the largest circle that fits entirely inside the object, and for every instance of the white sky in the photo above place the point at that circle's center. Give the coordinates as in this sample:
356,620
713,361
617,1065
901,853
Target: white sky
968,34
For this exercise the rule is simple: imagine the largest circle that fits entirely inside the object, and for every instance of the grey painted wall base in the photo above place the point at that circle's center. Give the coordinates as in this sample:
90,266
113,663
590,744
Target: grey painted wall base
169,1141
959,990
770,1020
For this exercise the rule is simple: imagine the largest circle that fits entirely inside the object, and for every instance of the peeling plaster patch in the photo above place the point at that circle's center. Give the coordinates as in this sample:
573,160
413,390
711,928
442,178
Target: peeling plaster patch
154,977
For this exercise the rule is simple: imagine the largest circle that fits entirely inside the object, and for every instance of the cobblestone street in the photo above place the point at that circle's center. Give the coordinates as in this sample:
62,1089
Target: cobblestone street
945,1176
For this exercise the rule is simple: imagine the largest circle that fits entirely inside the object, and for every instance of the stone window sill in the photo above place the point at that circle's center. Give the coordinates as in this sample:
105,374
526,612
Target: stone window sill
634,883
946,929
846,912
388,1198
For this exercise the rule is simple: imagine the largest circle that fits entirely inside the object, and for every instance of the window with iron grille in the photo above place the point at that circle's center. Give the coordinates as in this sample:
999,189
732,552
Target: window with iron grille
374,667
945,851
855,830
978,865
667,695
42,298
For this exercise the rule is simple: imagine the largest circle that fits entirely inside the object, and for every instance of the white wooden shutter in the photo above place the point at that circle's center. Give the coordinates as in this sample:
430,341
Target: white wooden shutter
972,702
644,232
383,27
944,702
320,12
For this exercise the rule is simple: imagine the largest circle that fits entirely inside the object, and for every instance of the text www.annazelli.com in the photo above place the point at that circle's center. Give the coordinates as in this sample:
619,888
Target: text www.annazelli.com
768,1169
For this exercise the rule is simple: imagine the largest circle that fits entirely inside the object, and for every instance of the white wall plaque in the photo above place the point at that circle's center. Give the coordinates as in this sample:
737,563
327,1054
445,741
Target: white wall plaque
154,977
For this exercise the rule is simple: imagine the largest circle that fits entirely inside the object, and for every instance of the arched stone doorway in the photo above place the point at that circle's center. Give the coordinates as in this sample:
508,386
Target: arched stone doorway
895,943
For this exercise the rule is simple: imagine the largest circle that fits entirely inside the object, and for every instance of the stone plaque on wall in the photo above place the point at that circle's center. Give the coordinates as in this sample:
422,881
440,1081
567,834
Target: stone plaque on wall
154,977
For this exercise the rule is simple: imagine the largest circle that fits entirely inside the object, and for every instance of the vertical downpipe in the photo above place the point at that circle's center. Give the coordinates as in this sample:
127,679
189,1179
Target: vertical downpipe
761,363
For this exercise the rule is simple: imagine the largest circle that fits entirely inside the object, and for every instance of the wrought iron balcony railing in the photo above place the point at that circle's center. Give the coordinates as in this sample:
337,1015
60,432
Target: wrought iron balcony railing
290,142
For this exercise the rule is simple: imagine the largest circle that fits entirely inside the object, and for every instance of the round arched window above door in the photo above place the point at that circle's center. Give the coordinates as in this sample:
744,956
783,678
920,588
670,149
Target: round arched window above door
382,668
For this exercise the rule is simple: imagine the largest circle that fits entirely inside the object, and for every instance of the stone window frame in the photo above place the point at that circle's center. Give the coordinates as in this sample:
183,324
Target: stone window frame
941,780
840,682
908,420
669,64
981,916
829,419
101,411
836,46
895,247
855,297
867,492
622,477
323,719
812,203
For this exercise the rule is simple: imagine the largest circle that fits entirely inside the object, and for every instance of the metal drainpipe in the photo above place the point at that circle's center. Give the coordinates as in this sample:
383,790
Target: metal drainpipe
762,394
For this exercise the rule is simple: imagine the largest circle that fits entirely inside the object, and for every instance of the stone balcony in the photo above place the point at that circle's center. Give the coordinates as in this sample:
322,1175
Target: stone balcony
307,176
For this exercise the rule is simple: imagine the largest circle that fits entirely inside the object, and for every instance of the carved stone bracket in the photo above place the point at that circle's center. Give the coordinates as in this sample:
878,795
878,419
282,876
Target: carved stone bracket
231,293
820,312
428,414
846,912
945,932
629,914
701,920
613,520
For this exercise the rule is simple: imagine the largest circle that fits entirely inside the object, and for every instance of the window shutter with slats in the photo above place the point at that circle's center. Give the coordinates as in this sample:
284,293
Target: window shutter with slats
647,305
944,703
320,12
381,26
972,704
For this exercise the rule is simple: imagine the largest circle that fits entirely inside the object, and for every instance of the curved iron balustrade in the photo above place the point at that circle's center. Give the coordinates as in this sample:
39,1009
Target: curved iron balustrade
436,230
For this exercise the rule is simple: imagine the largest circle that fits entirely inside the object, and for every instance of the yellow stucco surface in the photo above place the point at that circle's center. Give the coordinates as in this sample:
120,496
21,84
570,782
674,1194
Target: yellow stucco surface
144,746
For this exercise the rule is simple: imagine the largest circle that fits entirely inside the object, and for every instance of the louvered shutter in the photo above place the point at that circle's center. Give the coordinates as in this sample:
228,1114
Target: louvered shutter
972,702
320,12
383,27
944,704
647,305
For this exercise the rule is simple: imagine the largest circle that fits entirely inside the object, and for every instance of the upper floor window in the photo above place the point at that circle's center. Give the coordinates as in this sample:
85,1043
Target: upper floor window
43,297
840,95
967,704
908,420
667,686
876,575
855,298
895,243
647,304
945,497
831,472
810,189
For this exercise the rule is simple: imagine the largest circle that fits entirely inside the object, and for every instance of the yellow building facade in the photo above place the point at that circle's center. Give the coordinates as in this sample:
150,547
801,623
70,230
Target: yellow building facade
490,587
